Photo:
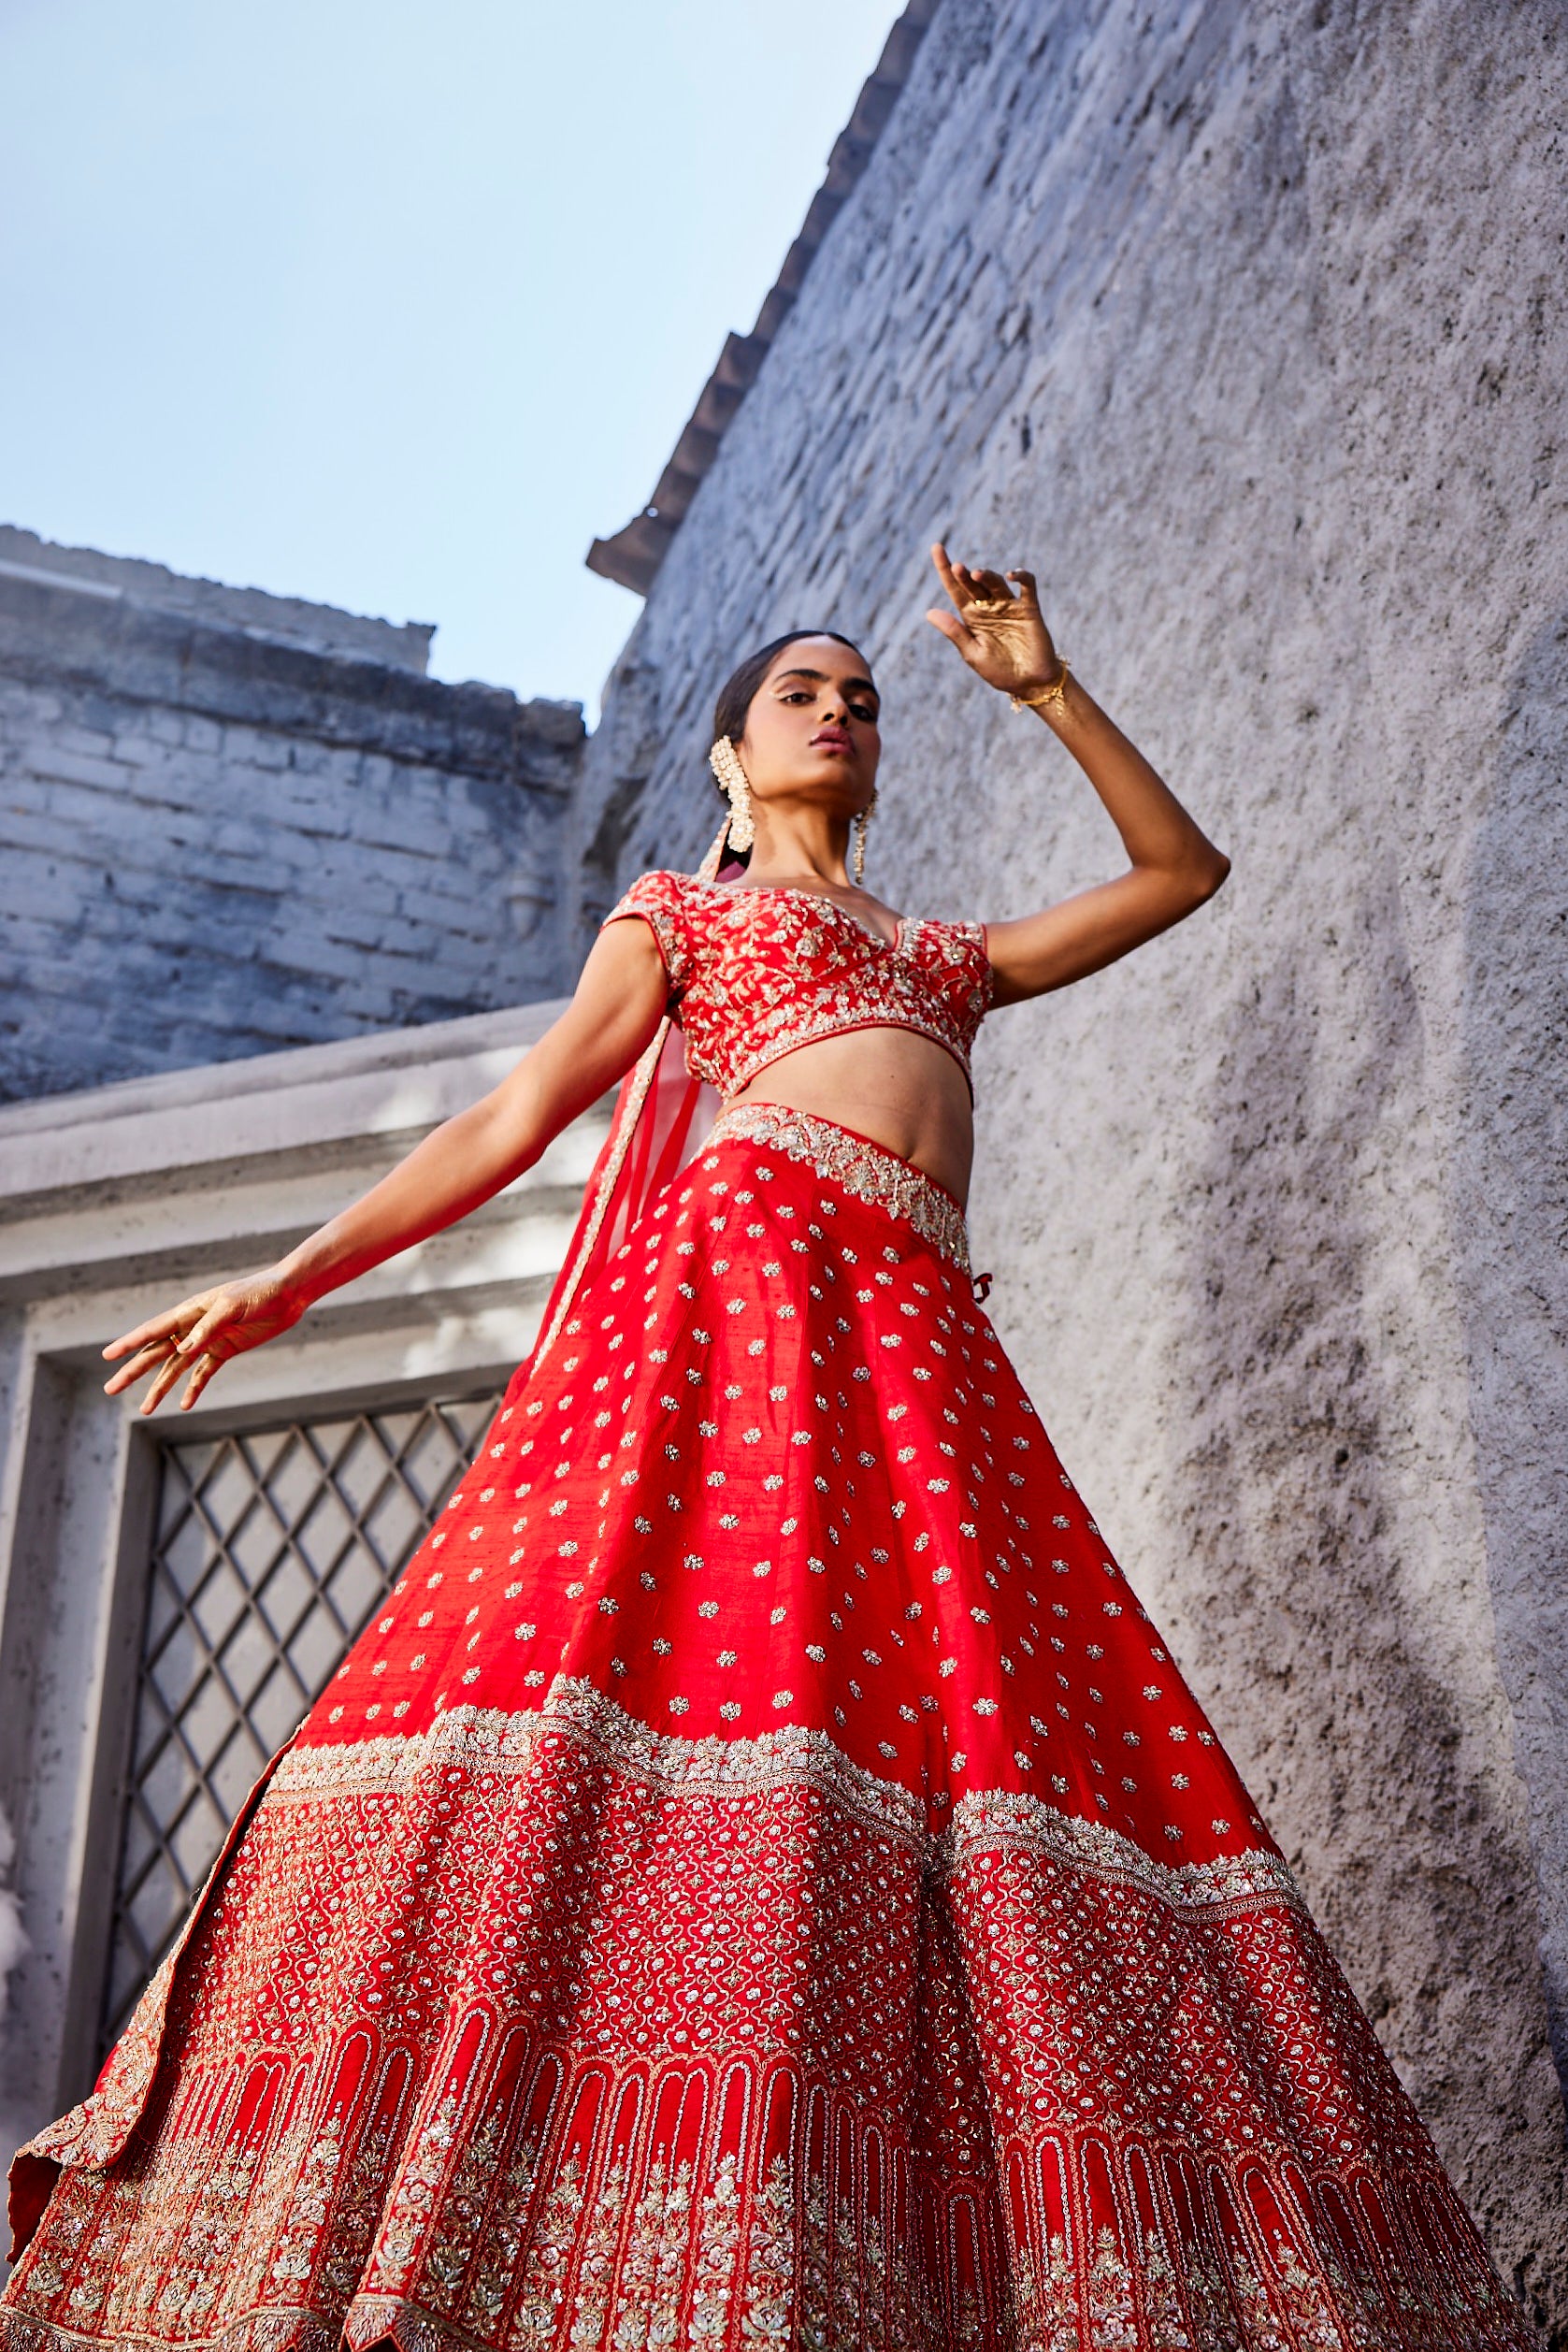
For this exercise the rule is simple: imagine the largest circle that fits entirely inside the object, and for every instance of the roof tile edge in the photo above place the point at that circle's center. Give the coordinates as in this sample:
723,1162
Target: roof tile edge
633,555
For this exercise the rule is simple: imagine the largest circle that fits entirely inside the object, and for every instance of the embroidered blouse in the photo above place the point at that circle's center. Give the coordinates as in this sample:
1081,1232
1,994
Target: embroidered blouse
756,973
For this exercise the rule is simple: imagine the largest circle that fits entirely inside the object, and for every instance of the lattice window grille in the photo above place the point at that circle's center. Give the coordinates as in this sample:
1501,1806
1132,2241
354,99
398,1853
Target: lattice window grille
271,1552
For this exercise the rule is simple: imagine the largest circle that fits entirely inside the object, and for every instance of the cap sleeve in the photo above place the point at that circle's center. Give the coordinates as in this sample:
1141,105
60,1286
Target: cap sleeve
659,899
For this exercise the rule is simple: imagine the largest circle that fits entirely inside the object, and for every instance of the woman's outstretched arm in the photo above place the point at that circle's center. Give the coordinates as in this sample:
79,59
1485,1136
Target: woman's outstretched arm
1172,865
464,1161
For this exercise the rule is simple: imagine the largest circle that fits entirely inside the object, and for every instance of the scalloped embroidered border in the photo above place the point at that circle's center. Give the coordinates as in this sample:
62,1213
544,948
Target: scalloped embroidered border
858,1166
989,1821
474,1736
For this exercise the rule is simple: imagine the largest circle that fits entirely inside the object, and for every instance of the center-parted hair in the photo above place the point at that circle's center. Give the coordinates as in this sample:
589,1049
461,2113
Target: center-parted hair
739,691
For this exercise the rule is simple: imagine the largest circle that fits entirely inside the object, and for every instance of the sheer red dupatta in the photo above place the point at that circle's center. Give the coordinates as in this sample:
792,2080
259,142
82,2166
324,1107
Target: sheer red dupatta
662,1119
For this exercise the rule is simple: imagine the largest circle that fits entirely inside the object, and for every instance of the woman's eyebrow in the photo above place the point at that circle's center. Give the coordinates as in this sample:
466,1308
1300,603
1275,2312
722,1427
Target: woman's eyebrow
817,676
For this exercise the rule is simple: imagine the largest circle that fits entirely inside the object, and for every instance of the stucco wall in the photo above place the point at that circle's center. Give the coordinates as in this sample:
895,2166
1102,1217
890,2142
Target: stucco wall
1243,325
232,822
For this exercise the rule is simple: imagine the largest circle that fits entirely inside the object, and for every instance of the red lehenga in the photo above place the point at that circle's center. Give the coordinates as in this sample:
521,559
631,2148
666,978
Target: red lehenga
763,1880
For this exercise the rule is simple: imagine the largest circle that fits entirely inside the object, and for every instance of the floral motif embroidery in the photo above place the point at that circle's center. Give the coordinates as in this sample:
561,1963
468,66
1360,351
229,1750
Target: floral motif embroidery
863,1168
598,2131
788,1997
757,973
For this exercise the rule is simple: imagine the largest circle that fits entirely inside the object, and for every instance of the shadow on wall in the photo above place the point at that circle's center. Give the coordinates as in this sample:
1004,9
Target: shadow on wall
13,1943
1511,1232
1318,1553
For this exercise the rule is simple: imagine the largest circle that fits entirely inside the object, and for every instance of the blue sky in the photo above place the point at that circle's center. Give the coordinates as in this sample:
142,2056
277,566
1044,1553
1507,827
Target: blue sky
393,306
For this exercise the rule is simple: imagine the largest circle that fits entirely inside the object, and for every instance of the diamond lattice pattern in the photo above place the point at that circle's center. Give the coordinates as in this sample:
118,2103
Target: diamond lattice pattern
272,1550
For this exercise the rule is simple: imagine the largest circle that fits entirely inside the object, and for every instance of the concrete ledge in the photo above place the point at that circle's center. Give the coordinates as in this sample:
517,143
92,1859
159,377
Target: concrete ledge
389,1083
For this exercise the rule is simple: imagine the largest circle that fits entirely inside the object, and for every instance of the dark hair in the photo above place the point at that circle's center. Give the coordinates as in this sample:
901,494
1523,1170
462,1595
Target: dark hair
740,691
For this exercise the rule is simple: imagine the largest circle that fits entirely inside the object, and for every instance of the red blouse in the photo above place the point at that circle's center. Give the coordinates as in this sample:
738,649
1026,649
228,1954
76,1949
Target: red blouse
756,973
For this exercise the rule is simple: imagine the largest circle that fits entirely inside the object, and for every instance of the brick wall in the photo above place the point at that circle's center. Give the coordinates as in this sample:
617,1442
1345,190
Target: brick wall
1243,325
230,823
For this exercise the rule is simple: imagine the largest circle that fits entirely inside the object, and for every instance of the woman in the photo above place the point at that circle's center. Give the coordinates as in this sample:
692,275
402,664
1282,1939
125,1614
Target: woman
762,1880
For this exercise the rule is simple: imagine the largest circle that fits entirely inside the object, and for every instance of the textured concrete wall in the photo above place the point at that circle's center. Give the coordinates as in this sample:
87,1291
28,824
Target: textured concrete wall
1244,325
230,823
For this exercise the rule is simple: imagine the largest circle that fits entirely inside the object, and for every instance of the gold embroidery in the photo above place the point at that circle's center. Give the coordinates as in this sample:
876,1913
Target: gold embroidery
574,2171
996,1821
861,1167
479,1738
94,2131
759,973
540,2027
986,1822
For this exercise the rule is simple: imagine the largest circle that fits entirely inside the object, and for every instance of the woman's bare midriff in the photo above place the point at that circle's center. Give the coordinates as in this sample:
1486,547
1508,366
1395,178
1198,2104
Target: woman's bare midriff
902,1090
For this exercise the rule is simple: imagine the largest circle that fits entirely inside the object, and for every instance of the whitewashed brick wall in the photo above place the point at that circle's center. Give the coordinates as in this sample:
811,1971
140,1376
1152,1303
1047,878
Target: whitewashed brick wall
217,840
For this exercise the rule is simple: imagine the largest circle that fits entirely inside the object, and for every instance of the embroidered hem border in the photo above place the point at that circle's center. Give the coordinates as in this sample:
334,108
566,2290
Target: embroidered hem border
988,1820
543,2201
863,1169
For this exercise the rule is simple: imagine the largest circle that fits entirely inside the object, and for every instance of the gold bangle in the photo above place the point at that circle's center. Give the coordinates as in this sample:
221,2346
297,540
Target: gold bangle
1055,692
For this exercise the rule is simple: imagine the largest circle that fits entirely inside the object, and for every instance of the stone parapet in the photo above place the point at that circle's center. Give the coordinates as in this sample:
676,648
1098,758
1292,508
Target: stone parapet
285,619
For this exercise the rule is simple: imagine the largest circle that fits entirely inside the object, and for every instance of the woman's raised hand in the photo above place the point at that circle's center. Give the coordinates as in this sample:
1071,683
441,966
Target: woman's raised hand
201,1333
999,632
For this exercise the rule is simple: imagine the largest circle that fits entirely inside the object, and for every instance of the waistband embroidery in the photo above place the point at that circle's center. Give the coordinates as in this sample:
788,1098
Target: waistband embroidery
861,1167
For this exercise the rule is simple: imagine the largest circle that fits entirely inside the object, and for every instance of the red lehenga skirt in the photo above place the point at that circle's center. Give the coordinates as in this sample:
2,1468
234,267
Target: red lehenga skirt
762,1881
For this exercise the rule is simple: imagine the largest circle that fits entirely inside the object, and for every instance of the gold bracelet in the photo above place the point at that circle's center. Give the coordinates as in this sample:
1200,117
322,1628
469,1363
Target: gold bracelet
1055,692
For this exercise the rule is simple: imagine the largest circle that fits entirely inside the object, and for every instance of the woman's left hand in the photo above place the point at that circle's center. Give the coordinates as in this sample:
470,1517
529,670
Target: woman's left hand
1000,634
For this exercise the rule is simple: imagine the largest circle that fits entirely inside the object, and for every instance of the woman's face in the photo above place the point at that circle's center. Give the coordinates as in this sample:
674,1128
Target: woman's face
812,729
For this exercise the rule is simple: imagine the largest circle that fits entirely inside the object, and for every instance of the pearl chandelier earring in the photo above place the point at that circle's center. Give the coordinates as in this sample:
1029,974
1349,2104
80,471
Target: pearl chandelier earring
862,826
724,760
